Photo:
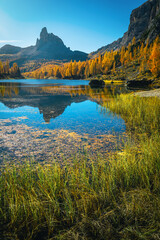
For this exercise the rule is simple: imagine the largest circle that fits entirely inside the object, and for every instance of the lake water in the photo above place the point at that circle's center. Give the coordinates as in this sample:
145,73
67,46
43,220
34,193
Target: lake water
56,119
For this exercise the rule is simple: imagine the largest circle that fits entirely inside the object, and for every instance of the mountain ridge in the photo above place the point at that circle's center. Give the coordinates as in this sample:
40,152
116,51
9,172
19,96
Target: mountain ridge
144,25
48,47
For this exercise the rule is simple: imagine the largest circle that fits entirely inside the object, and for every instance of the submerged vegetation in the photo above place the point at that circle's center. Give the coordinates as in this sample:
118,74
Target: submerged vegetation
135,61
114,198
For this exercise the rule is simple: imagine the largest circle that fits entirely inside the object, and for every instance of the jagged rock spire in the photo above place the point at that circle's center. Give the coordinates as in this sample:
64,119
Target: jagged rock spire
44,33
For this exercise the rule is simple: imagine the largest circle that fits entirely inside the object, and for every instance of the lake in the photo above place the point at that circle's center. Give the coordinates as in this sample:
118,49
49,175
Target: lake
56,119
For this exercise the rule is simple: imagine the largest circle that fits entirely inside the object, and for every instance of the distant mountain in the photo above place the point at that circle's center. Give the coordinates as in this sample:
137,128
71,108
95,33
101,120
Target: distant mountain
9,49
144,24
52,47
48,47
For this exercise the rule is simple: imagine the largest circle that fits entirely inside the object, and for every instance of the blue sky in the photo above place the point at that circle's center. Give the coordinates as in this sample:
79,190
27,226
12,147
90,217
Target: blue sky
84,25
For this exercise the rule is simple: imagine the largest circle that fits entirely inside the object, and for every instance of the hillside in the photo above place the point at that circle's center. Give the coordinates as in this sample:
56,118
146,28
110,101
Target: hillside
144,25
137,61
48,57
7,72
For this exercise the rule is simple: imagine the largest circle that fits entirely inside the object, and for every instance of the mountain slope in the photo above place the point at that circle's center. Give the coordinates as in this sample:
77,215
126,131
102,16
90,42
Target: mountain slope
144,24
48,47
9,49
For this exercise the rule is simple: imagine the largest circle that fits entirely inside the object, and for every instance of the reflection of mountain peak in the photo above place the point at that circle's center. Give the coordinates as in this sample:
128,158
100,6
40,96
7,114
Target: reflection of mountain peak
51,105
54,106
52,100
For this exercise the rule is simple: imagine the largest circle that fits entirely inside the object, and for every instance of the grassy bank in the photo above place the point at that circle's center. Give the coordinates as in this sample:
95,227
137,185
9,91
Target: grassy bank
142,115
111,199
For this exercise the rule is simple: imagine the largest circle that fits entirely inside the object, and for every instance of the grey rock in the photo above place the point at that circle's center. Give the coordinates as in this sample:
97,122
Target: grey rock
144,25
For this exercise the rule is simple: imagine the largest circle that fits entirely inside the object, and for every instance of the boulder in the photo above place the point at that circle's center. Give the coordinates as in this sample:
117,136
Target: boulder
97,83
139,83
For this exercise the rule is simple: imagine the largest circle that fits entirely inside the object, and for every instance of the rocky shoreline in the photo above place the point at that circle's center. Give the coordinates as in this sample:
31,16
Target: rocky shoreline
150,93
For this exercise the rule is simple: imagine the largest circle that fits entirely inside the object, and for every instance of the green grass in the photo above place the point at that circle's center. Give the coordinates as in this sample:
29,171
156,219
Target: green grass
142,115
113,199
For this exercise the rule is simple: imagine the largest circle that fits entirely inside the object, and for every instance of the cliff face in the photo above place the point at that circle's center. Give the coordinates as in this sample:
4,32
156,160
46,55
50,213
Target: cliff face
46,38
144,24
51,47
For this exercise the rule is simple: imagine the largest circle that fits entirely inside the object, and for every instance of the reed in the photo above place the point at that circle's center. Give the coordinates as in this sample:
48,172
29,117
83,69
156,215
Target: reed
114,198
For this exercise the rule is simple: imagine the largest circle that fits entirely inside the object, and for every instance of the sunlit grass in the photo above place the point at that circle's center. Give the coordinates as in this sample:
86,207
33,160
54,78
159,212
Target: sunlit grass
142,115
113,81
114,198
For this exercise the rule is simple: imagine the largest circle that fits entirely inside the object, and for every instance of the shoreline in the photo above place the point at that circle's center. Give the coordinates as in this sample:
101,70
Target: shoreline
149,93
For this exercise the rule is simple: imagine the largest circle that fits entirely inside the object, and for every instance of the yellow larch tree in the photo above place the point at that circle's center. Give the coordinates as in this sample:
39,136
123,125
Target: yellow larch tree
154,60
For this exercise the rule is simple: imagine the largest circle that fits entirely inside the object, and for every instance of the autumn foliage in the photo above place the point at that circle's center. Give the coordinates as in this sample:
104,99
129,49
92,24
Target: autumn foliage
6,70
154,59
142,54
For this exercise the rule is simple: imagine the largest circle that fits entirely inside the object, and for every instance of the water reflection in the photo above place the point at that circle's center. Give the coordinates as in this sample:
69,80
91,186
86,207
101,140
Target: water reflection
52,100
56,119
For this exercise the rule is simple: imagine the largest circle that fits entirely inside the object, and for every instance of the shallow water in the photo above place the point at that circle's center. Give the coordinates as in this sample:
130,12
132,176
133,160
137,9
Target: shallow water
51,119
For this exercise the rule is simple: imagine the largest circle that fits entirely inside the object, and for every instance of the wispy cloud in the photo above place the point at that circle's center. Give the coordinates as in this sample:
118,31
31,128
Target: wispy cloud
10,41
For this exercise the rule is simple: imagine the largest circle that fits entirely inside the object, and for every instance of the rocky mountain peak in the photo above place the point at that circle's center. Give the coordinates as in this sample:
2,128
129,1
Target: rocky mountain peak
48,38
48,47
44,33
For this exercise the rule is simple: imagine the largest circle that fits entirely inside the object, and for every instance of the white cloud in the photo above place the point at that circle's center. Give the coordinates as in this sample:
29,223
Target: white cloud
10,41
